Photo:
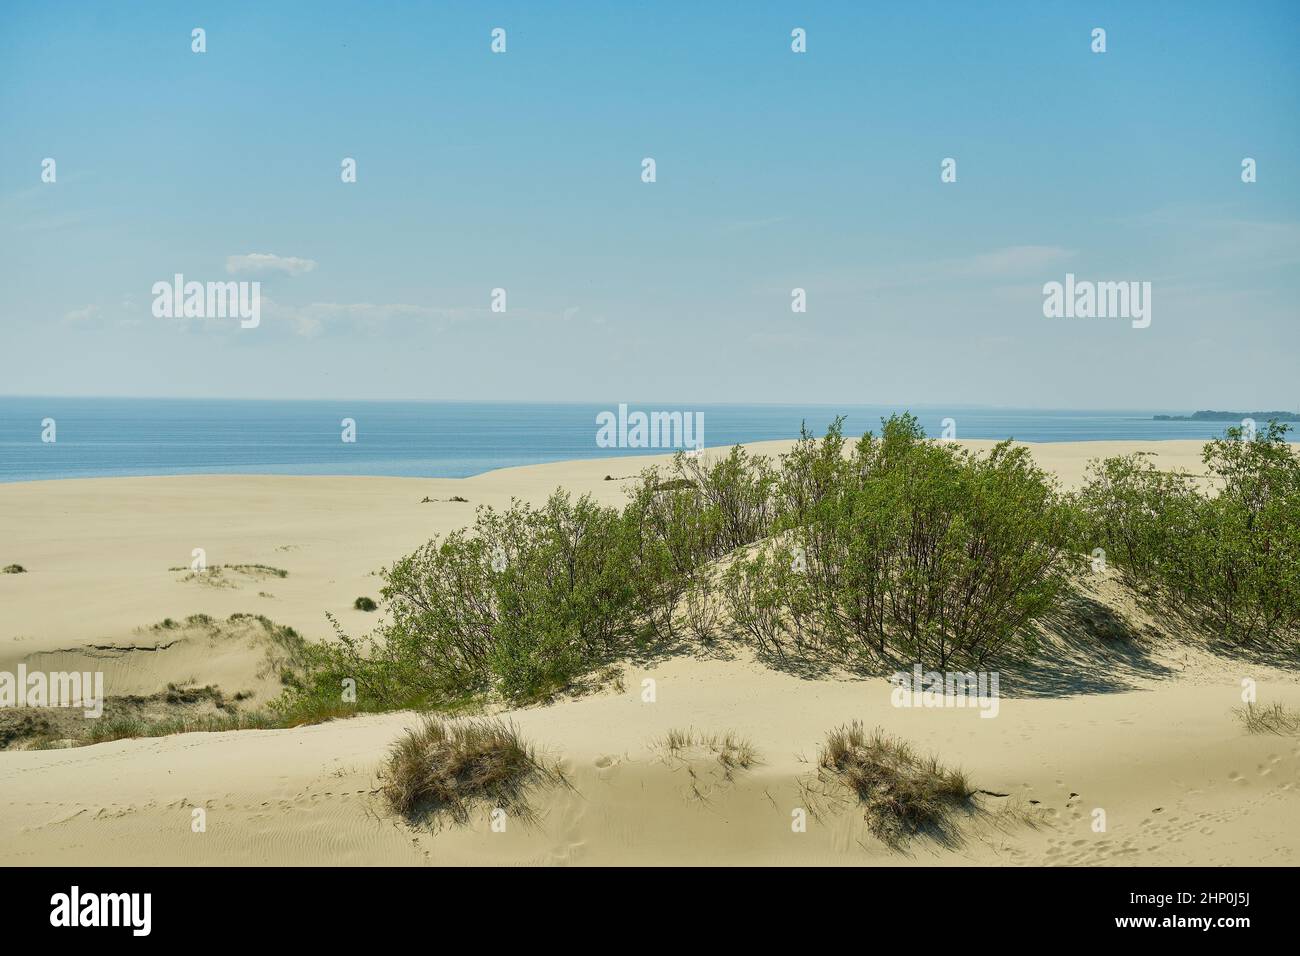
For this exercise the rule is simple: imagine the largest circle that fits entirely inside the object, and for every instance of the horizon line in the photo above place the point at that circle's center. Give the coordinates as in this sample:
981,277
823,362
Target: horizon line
602,402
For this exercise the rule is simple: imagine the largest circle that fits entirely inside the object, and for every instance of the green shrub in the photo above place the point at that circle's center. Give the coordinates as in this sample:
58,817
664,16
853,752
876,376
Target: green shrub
753,593
735,496
1136,514
700,602
365,604
521,603
923,549
1228,558
902,546
669,531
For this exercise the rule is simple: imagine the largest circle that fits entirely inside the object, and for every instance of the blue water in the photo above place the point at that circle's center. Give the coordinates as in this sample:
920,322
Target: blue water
107,437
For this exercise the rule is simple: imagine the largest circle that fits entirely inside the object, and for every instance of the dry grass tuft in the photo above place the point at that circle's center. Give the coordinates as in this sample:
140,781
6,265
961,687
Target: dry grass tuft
445,767
732,751
902,793
1274,719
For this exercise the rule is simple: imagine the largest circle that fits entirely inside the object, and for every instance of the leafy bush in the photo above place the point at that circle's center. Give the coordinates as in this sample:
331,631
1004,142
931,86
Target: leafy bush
1228,558
923,549
700,605
753,592
902,546
527,600
365,604
1135,512
521,603
734,496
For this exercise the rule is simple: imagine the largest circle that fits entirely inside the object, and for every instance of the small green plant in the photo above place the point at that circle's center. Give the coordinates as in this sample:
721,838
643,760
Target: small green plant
364,604
14,569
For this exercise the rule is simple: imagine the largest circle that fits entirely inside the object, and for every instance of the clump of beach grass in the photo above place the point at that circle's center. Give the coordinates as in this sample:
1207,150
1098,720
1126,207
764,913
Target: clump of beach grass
901,792
216,575
14,569
255,569
127,726
732,751
1273,719
447,767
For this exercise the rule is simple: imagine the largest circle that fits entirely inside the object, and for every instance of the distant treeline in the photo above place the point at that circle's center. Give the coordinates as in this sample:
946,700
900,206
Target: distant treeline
1208,416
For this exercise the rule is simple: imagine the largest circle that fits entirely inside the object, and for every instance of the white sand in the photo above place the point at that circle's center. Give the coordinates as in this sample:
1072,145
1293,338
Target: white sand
1177,776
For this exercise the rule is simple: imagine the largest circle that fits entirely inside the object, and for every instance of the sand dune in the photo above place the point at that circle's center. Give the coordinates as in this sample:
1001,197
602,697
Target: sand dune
1143,731
1177,776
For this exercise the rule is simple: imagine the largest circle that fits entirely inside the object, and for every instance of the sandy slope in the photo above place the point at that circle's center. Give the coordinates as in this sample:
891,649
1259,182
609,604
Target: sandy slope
1143,731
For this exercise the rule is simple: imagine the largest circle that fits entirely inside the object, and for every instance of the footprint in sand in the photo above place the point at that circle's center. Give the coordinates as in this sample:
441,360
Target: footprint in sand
607,765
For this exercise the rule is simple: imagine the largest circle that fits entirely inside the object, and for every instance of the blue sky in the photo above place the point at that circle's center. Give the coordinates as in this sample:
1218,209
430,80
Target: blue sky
775,170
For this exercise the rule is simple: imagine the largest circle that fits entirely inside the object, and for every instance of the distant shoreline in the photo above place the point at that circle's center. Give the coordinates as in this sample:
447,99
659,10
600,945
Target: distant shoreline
1211,416
106,438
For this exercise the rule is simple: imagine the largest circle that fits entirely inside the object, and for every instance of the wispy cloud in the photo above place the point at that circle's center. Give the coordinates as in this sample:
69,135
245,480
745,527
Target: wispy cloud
1010,261
1001,264
82,314
314,318
261,263
310,320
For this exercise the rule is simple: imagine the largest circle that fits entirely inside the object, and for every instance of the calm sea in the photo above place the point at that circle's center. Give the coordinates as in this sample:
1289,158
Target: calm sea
106,437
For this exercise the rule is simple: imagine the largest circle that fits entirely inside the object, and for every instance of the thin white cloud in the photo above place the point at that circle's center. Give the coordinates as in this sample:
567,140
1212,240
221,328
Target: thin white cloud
314,318
81,315
1012,261
1000,264
260,263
